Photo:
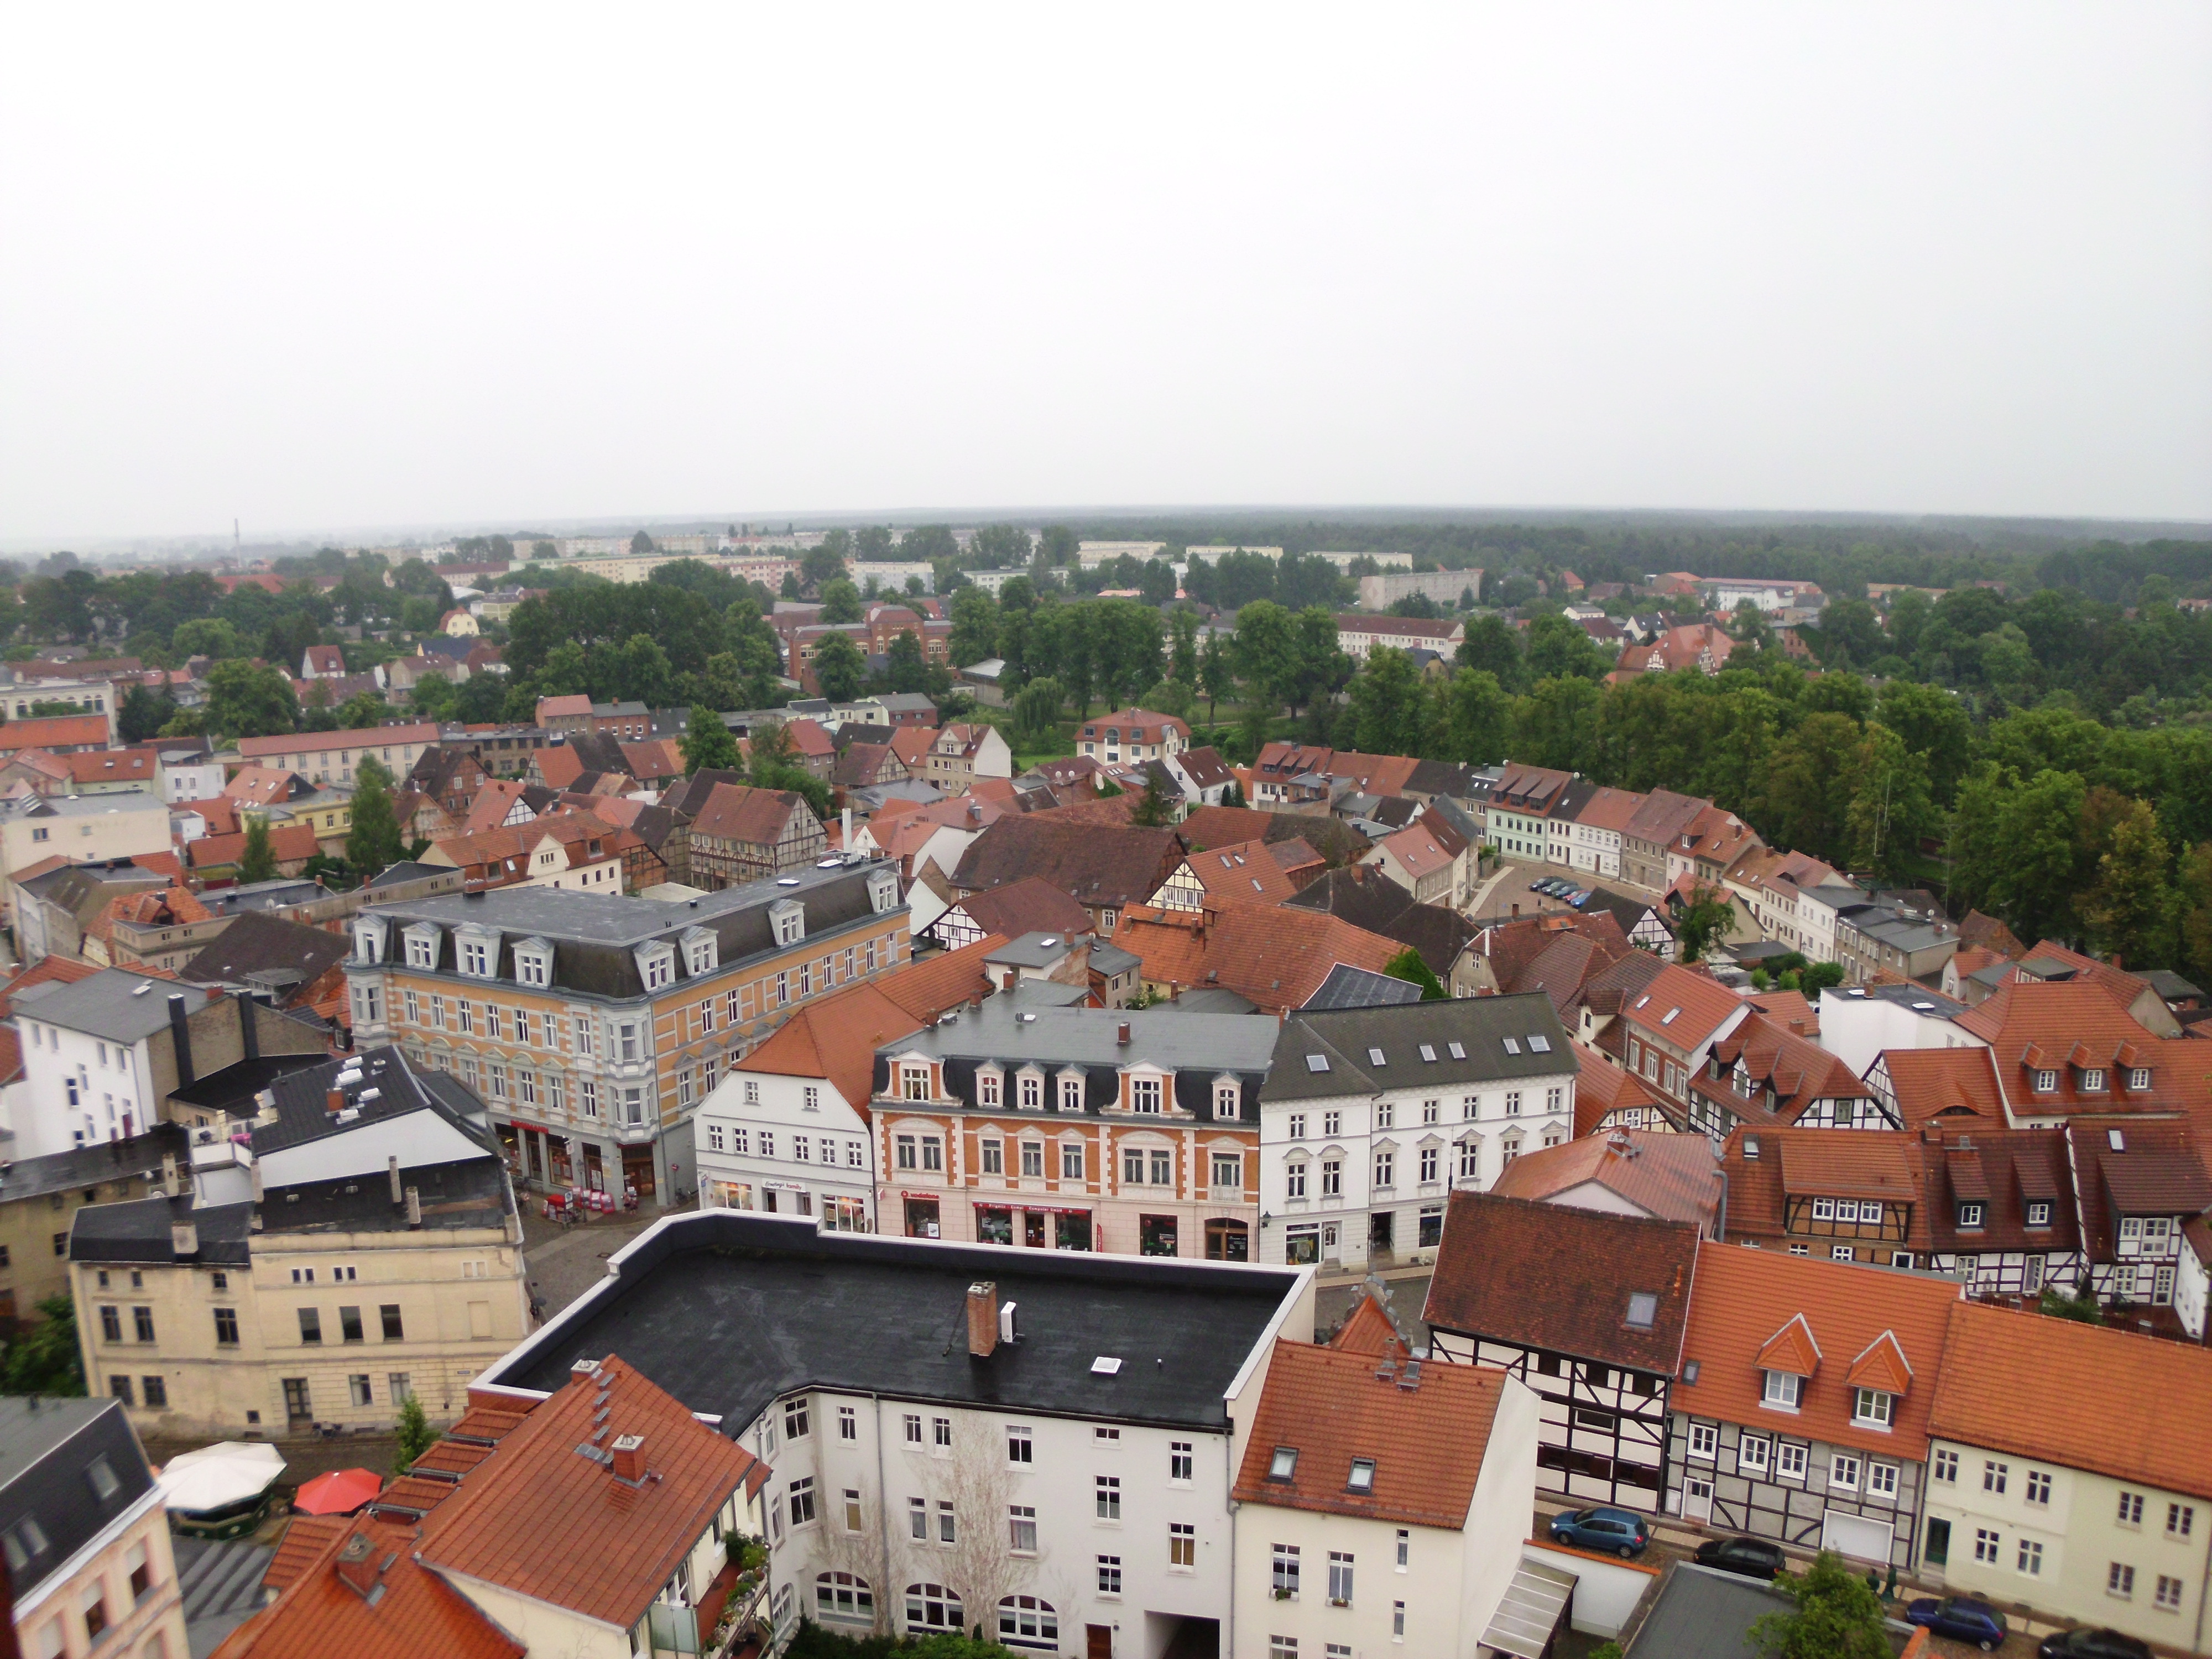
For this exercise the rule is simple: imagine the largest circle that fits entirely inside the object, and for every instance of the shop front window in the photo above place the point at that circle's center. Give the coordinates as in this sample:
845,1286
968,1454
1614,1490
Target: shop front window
1156,1234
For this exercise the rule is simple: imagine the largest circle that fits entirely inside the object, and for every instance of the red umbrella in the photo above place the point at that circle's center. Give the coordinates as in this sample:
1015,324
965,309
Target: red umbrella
339,1493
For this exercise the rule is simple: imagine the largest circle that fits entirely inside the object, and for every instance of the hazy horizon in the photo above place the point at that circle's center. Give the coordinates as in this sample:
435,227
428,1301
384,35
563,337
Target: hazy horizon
330,274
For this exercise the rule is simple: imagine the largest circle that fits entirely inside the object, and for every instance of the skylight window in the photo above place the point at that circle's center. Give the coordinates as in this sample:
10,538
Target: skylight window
1539,1044
1428,1054
1641,1001
1455,1051
2116,1139
1512,1047
1374,1057
1643,1311
1670,1018
1316,1062
1106,1365
1286,1463
1361,1480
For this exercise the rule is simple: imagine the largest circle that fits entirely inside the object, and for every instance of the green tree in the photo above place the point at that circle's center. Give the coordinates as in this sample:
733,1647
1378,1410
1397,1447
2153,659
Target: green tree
2015,849
1390,706
373,842
904,666
415,1435
839,668
1805,802
258,861
1216,672
1182,649
2128,909
1056,545
975,635
1477,718
1492,646
43,1359
841,602
2195,905
1036,710
707,742
1891,805
1408,966
144,713
641,543
249,701
1559,648
1837,1615
1156,808
1702,923
206,637
1556,724
1933,725
643,672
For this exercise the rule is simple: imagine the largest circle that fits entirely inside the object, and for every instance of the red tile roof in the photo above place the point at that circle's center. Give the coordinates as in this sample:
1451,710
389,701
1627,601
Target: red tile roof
56,731
1673,1177
928,987
1244,873
542,1521
2080,1376
261,785
1681,1008
1276,958
1549,1276
1029,906
412,1613
1097,865
1787,1072
1605,1087
835,1040
113,765
1330,1405
2065,1026
1838,1326
1952,1087
738,812
287,842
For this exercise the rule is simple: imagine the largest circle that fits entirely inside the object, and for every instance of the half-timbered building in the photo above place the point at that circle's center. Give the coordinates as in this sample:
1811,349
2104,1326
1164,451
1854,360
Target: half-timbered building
2138,1183
1788,1076
2001,1210
1842,1194
743,834
1800,1411
1589,1310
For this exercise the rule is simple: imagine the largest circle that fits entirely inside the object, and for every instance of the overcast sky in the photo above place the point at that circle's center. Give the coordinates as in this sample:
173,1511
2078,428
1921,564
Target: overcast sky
322,267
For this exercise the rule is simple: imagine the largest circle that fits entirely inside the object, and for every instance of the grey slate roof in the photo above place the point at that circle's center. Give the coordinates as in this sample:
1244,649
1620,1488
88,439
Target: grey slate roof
594,935
1346,1039
258,943
301,1098
1017,1030
727,1310
48,1449
277,895
1031,951
109,1004
1347,986
88,1166
137,1230
470,1193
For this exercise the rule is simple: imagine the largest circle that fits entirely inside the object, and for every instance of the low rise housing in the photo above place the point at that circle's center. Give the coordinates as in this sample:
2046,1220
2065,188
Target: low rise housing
334,756
1356,635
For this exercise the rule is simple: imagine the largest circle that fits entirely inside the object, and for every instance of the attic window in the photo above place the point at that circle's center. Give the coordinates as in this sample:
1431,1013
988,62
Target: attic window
1316,1062
1751,1146
1428,1056
1641,1001
1362,1479
1455,1051
1670,1018
2117,1139
1374,1057
1284,1464
1539,1044
1643,1311
1512,1046
2139,1076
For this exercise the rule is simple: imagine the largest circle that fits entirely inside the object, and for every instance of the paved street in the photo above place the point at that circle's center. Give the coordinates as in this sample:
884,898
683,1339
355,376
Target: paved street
565,1261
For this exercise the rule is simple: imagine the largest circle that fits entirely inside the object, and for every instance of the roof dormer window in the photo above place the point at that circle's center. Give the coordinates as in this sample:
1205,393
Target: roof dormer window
477,949
702,951
2038,1212
1970,1215
422,946
2139,1076
369,939
1872,1407
656,964
2046,1081
2093,1080
1784,1390
788,918
533,962
1070,1091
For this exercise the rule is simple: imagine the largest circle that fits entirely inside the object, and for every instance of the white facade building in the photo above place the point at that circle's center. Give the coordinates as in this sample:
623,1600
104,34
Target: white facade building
88,1064
1371,1117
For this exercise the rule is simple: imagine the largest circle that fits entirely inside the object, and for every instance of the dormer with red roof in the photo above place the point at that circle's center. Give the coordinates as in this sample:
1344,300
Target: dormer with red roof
2064,1048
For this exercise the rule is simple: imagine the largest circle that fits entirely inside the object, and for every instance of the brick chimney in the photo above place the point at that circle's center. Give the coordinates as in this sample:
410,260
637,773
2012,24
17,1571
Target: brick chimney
1122,1033
630,1457
357,1564
983,1319
334,1102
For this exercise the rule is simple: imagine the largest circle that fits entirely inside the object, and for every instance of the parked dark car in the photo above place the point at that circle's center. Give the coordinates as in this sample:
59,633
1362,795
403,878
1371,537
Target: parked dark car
1754,1558
2091,1645
1616,1532
1961,1617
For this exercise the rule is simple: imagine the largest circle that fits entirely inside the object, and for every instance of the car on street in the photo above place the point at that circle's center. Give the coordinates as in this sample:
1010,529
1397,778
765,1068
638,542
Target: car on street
1753,1557
1961,1617
1614,1532
2091,1645
1579,897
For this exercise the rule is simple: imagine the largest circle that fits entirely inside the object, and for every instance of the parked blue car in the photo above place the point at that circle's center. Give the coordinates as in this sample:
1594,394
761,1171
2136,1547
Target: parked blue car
1614,1532
1961,1617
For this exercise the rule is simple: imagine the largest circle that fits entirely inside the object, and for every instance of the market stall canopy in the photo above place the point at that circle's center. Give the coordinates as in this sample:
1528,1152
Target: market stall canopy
218,1476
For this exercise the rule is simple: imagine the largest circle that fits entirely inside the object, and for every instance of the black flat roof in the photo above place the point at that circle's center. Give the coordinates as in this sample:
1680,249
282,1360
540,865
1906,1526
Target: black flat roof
727,1310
